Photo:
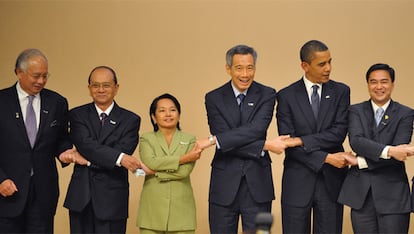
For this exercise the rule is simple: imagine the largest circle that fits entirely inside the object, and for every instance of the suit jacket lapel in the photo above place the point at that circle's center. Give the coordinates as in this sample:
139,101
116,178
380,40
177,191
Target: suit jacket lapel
327,96
303,103
15,108
95,120
369,117
230,105
249,103
44,114
386,117
112,122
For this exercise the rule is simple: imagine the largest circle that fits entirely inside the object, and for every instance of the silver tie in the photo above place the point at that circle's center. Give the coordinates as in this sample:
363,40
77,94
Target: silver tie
30,122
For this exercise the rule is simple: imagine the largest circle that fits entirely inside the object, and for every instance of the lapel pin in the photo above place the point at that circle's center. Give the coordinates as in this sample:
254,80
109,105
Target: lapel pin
45,111
386,117
183,143
17,115
327,96
250,104
112,122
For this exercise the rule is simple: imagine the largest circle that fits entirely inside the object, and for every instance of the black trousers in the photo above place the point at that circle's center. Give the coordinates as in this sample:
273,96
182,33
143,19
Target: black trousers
225,219
32,219
87,222
368,220
327,214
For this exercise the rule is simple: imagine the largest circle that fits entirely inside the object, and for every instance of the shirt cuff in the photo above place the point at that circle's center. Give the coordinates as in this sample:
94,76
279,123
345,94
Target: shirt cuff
362,163
118,161
384,153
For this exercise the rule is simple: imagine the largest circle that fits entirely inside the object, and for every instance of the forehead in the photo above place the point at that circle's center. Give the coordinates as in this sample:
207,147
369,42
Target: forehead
321,56
379,75
165,102
36,62
102,75
242,59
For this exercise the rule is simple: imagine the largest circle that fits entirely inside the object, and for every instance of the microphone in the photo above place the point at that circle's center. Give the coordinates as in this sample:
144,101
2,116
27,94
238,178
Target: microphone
263,223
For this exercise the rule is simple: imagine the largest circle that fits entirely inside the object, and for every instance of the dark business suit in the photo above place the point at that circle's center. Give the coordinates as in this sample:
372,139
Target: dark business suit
385,180
103,185
241,139
304,168
18,158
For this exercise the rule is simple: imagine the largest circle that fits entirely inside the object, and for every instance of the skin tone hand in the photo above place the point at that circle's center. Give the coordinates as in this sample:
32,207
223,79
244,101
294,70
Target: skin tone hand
7,188
147,170
130,163
193,155
338,159
352,159
277,145
72,156
401,152
205,143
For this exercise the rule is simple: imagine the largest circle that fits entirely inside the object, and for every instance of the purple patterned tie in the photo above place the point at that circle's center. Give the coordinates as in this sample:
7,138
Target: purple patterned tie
30,122
103,118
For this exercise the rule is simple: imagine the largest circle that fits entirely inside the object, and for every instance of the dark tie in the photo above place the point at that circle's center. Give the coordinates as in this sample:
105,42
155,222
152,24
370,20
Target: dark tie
30,122
241,98
378,115
103,118
315,100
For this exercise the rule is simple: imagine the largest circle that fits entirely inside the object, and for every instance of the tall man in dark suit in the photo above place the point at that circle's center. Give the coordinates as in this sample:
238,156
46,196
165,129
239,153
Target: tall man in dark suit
33,131
376,187
239,113
313,111
106,135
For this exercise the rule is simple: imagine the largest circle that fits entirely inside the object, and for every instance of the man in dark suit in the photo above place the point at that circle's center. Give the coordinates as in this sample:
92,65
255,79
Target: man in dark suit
33,131
241,176
376,187
106,135
313,111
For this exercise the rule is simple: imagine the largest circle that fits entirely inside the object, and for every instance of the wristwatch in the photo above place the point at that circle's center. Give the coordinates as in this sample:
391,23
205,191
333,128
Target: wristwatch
211,139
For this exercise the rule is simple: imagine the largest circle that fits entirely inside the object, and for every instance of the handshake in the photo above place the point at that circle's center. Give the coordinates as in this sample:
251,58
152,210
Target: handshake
129,162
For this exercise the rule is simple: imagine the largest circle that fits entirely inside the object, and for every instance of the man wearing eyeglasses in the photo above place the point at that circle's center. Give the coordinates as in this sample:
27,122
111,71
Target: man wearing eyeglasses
106,136
33,131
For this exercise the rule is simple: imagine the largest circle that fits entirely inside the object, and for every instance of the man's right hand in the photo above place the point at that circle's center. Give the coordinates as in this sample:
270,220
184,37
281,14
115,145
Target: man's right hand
339,159
7,188
130,163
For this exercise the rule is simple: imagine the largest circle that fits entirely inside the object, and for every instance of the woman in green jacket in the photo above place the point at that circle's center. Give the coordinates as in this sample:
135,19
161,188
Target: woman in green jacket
167,202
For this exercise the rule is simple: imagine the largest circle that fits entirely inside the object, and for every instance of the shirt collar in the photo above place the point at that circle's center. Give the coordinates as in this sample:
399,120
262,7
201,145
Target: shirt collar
384,107
236,91
107,111
309,84
21,94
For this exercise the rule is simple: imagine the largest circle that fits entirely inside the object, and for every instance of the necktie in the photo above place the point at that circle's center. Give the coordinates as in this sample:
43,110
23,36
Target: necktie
103,118
30,122
315,101
241,98
378,115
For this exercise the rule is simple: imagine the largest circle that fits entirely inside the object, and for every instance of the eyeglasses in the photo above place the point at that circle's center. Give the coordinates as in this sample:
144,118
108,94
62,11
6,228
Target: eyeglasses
37,76
99,85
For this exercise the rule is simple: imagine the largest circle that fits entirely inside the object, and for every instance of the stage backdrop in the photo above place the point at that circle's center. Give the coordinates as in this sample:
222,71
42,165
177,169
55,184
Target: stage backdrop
178,46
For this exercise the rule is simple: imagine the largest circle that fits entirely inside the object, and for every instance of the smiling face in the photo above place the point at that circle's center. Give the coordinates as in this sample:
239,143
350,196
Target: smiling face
102,88
166,114
242,71
319,69
380,86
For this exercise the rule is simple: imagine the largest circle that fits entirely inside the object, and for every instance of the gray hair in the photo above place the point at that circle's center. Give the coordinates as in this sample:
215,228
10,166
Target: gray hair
25,56
240,49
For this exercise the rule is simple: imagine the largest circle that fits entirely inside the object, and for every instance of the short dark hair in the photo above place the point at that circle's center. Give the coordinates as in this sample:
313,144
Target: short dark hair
381,66
154,104
240,49
309,48
24,56
107,68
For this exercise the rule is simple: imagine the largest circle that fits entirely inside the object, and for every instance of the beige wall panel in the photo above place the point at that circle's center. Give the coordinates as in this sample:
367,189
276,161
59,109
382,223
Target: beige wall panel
178,46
